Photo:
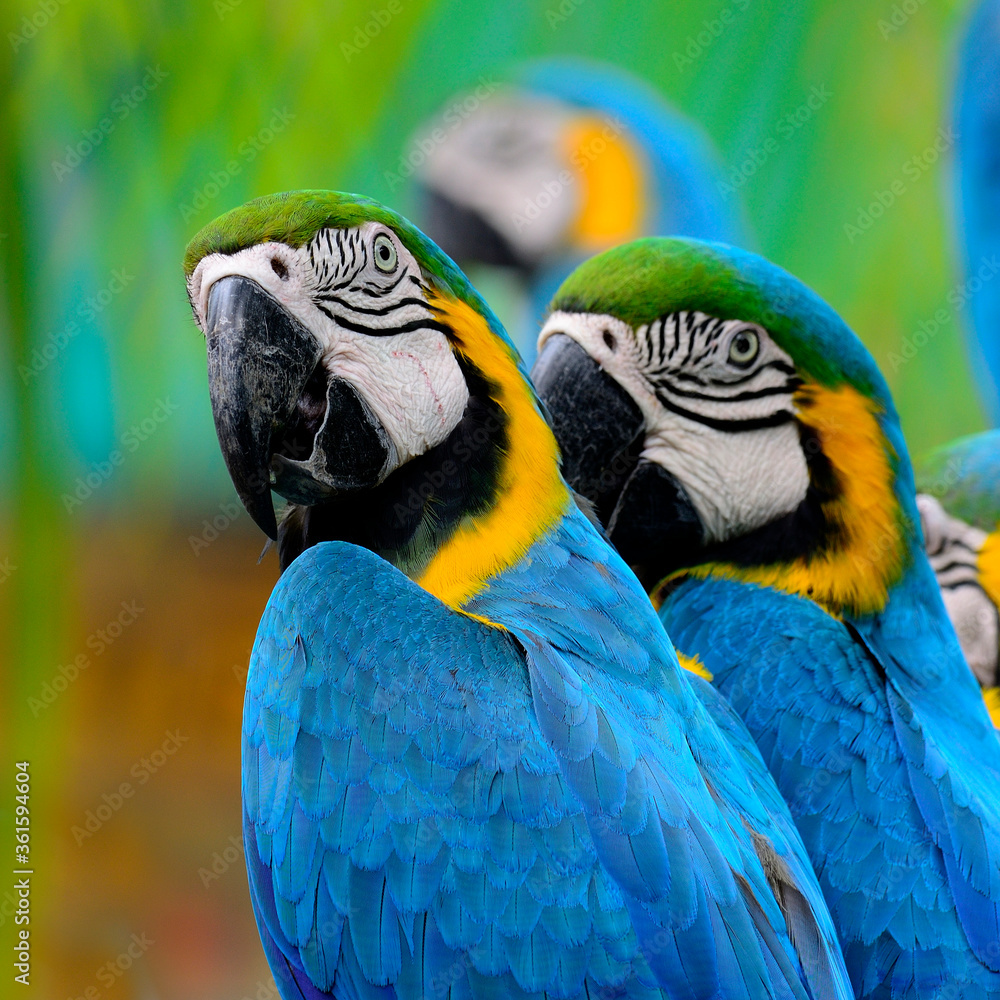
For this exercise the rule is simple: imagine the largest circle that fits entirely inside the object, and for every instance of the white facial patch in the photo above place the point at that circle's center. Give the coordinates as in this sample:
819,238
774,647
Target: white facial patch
362,295
953,549
716,397
507,160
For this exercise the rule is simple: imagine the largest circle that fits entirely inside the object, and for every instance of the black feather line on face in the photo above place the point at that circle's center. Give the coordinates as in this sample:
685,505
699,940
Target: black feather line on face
737,426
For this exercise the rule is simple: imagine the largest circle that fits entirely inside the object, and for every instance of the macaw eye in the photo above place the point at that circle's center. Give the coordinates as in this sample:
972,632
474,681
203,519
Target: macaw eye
385,254
743,348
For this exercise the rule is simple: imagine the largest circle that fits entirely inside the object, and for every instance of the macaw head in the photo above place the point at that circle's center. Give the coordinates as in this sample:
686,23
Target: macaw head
354,370
724,419
518,176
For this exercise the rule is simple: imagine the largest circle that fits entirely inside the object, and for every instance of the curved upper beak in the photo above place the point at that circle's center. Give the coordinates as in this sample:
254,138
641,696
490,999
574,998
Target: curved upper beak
259,359
283,421
601,434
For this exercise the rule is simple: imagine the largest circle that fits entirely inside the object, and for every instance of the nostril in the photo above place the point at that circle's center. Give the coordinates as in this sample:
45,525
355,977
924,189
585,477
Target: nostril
609,339
278,266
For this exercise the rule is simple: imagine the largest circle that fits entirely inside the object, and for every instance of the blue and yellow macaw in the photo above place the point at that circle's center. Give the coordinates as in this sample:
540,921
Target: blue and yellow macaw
742,448
959,503
472,766
565,158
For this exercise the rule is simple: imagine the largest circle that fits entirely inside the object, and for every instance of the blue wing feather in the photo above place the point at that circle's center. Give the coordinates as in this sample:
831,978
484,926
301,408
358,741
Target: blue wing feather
431,802
862,751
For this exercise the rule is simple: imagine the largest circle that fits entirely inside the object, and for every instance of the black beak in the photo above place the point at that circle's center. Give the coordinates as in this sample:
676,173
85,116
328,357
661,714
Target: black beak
282,420
465,235
601,433
599,428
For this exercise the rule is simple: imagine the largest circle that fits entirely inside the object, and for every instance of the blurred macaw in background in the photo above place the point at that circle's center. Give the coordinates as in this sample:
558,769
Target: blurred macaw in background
567,157
743,450
472,765
959,483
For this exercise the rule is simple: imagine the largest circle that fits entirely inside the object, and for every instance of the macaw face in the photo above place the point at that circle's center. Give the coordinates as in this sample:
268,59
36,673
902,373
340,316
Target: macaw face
328,369
523,178
953,549
683,431
481,175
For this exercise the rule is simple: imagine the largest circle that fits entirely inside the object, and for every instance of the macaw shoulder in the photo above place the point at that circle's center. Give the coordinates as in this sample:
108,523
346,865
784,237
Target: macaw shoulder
742,631
340,612
839,722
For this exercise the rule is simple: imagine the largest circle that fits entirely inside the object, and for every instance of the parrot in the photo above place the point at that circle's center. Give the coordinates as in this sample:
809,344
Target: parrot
529,176
742,449
959,504
472,766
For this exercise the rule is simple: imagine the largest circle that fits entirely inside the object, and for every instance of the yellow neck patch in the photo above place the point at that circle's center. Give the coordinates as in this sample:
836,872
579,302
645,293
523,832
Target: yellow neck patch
531,495
612,178
867,551
693,665
991,696
988,564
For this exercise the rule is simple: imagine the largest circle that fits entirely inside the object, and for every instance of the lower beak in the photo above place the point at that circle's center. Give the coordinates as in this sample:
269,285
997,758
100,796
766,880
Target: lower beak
283,421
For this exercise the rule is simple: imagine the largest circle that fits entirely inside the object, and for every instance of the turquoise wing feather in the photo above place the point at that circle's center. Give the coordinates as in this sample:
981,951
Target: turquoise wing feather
435,807
863,753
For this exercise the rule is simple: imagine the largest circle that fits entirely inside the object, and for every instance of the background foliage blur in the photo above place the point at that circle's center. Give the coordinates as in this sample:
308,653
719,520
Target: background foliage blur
129,587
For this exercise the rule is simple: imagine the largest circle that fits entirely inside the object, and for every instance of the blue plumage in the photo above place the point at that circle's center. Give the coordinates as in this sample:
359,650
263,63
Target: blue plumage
872,754
535,821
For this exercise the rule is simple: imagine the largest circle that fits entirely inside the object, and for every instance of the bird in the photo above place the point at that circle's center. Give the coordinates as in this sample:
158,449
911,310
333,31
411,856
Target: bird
471,763
959,505
742,449
532,174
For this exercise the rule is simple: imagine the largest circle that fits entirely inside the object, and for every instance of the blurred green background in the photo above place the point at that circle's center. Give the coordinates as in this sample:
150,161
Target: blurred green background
129,582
